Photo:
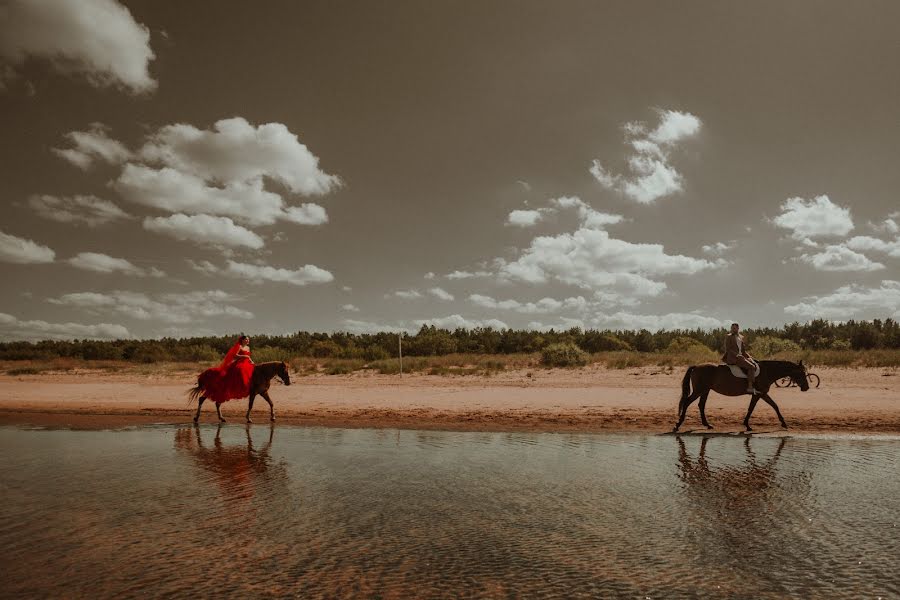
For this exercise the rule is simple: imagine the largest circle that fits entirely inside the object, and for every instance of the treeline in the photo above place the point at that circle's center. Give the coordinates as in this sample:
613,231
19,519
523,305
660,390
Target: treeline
430,341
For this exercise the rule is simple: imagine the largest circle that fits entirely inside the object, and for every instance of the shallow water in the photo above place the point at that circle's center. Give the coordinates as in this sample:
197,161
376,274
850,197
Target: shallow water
314,512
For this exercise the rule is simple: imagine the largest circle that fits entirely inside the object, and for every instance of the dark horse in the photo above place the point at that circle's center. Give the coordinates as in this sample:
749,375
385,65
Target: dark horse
259,384
719,378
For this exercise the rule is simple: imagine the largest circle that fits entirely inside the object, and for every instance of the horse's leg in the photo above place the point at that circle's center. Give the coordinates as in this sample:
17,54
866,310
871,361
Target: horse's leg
199,405
265,394
683,406
219,412
750,408
703,410
250,406
771,403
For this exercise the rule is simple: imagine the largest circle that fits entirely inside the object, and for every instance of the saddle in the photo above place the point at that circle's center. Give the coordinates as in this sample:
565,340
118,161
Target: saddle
739,372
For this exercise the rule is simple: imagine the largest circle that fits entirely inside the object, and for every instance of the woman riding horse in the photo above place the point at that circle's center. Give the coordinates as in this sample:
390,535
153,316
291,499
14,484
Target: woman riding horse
238,377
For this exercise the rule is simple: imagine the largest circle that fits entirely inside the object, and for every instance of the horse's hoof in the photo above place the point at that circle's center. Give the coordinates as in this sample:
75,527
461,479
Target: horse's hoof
784,426
709,426
222,421
195,419
249,421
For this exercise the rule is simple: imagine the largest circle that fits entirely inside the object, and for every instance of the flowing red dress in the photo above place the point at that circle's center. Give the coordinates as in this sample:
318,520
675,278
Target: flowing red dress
231,379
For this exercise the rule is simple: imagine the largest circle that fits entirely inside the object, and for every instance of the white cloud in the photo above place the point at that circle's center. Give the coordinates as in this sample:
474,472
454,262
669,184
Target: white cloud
98,38
18,250
301,276
889,225
651,174
818,217
235,150
429,275
452,322
349,308
12,328
524,218
589,218
467,274
91,145
542,306
625,320
172,190
851,301
166,308
718,249
90,210
405,294
306,214
361,327
204,229
103,263
866,243
590,258
840,258
440,293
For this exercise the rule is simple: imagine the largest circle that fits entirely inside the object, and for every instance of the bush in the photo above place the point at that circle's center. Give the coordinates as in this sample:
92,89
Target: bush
563,355
150,353
766,346
686,345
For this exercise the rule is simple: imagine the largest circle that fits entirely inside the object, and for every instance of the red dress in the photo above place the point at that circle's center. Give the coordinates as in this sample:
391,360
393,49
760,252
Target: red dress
231,379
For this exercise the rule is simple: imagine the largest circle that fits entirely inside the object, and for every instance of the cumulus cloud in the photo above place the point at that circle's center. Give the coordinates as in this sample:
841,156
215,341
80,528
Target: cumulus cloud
235,150
588,217
542,306
850,301
525,218
305,275
204,229
669,321
405,294
166,308
808,219
18,250
590,258
13,328
93,144
467,274
361,327
97,38
839,258
651,175
306,214
440,293
90,210
863,243
174,191
103,263
452,322
349,308
717,249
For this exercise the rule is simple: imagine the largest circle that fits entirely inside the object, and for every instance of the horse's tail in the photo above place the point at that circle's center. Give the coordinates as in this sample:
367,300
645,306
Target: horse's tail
195,392
686,382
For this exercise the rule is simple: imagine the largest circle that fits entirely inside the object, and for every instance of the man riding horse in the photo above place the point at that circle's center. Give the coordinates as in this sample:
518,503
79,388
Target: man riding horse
736,354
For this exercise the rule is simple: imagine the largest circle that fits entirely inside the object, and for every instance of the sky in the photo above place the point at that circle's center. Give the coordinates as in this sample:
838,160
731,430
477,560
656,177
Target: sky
202,168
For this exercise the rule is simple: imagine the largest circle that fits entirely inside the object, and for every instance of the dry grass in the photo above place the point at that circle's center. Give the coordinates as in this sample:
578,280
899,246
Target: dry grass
483,365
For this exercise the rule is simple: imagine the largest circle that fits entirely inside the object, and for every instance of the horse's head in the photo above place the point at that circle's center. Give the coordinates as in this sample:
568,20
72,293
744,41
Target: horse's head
283,374
798,376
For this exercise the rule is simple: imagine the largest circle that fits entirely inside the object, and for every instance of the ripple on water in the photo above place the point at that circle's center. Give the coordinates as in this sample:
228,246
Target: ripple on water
331,513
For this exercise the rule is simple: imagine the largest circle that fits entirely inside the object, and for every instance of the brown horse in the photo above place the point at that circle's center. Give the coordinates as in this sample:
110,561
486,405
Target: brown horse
259,384
718,378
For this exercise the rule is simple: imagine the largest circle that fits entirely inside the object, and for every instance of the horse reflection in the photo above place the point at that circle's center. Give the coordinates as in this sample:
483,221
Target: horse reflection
734,486
239,470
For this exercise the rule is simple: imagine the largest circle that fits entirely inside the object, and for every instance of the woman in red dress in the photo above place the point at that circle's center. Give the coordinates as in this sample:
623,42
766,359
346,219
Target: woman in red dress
234,374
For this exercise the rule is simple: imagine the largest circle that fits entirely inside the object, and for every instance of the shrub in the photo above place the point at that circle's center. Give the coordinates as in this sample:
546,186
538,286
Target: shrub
150,353
686,345
563,355
766,346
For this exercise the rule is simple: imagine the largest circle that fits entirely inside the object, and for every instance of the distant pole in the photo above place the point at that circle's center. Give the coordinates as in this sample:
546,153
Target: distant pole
400,346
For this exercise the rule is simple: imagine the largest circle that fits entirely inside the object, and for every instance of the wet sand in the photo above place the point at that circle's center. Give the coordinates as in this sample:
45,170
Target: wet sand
593,399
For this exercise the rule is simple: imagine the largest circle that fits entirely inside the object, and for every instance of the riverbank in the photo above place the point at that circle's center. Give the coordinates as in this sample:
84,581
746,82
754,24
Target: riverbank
592,399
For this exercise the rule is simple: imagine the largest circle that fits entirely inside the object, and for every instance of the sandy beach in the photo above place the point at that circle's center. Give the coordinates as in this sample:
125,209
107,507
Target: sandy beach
592,399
